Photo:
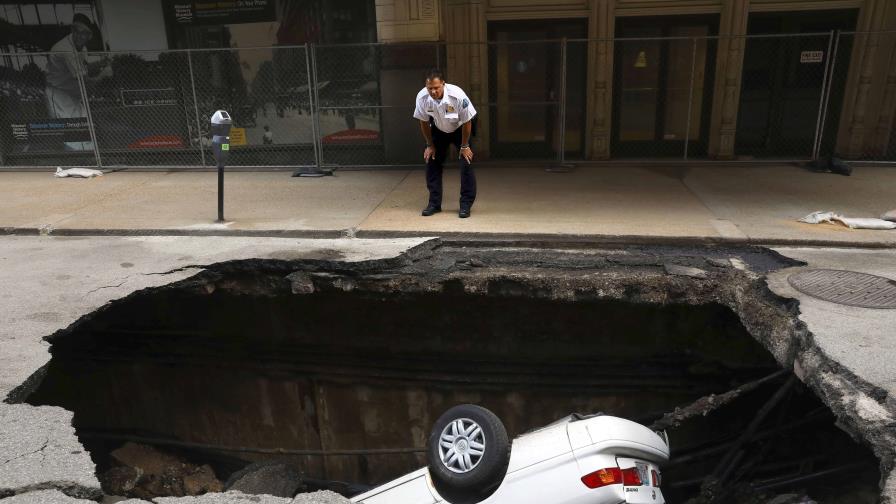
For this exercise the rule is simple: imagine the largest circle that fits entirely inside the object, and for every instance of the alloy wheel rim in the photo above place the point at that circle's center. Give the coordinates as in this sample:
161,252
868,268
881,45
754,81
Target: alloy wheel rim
461,445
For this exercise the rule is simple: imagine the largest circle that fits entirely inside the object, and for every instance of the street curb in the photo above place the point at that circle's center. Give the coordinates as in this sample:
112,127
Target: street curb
575,241
275,233
453,237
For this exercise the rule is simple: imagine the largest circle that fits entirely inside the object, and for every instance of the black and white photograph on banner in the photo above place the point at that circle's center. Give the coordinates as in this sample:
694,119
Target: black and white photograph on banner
42,91
149,76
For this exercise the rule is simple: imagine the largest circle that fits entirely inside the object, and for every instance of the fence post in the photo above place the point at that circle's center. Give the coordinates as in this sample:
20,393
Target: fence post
562,145
316,115
312,105
83,87
830,63
687,126
314,109
196,108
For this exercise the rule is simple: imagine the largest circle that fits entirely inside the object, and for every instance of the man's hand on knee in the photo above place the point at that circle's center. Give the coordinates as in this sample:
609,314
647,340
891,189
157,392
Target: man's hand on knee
467,153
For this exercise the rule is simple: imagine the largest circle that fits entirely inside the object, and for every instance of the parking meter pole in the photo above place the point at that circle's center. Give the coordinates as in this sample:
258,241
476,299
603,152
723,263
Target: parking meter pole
220,192
220,129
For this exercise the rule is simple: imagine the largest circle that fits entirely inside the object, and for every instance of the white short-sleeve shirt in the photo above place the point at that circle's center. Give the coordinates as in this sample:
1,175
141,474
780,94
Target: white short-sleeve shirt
449,113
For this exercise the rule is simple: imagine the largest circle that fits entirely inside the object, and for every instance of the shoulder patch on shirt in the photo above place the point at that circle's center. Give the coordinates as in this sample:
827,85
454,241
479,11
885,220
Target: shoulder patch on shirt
465,103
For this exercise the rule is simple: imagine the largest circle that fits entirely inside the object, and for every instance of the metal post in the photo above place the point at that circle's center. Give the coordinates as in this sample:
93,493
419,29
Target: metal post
316,117
196,108
83,86
562,147
314,107
687,127
311,105
829,64
439,57
220,191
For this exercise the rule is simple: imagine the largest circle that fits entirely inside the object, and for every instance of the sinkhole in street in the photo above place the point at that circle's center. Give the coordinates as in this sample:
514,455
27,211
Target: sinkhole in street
344,386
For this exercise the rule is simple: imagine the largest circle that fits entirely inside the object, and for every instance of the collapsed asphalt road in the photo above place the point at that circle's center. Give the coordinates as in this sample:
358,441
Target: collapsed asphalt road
730,277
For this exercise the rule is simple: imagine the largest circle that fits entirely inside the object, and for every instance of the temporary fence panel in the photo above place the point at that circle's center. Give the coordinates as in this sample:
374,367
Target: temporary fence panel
525,93
366,96
781,95
268,93
43,113
800,97
141,107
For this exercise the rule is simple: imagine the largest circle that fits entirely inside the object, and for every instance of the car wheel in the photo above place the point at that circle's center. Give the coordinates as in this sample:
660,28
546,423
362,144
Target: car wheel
468,452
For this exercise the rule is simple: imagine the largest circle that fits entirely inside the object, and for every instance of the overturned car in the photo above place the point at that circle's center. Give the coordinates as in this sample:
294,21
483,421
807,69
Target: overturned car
594,459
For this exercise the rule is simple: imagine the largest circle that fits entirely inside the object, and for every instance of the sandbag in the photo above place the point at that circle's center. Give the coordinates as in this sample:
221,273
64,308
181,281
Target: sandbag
77,172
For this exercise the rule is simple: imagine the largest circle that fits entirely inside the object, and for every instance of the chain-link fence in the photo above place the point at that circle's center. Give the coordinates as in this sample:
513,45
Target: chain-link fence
689,96
662,97
42,102
365,101
781,97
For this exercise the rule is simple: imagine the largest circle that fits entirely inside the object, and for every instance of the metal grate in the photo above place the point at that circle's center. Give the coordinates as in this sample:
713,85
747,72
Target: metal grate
849,288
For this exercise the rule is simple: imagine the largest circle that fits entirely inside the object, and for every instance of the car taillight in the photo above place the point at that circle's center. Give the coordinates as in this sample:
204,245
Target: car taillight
630,477
604,477
656,478
615,476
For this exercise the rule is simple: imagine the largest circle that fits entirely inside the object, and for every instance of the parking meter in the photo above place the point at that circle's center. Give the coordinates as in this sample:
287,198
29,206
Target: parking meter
220,131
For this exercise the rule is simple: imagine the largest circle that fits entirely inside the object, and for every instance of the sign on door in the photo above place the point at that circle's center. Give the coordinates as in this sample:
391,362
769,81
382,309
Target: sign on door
811,56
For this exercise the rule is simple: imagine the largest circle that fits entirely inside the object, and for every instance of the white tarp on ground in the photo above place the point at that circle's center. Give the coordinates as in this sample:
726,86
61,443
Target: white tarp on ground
850,222
889,216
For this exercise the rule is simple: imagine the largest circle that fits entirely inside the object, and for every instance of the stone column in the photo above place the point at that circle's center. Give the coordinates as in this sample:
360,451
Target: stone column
599,117
884,128
466,37
862,75
729,66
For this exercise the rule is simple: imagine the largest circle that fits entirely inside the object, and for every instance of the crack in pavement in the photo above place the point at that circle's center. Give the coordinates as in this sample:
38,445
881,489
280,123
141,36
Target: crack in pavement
106,287
177,270
17,457
125,279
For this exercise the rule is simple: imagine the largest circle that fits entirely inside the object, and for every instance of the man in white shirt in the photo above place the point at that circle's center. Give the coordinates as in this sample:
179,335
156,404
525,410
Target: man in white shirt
63,92
446,117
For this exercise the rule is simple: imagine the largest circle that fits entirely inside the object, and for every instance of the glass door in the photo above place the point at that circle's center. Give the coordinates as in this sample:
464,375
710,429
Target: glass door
660,74
638,95
525,80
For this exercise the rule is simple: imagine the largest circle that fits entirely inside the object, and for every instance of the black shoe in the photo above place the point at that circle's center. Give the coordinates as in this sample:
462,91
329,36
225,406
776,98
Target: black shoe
430,210
463,213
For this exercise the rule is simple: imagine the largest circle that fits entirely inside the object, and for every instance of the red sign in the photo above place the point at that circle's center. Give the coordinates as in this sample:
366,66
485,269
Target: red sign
158,142
351,136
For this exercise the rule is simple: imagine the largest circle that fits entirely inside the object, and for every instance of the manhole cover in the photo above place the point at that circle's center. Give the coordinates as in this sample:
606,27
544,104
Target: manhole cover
846,287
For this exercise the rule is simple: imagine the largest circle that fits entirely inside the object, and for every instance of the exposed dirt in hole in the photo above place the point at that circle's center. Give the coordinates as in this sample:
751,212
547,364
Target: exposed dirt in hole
317,357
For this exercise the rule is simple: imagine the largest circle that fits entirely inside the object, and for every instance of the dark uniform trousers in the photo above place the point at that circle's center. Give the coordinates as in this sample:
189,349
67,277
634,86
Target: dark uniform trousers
441,141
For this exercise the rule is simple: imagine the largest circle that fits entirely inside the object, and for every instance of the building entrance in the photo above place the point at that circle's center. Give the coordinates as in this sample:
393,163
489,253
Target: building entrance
783,79
656,61
525,82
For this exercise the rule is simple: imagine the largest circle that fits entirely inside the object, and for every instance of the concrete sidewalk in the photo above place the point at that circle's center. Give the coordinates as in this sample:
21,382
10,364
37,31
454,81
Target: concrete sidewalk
747,204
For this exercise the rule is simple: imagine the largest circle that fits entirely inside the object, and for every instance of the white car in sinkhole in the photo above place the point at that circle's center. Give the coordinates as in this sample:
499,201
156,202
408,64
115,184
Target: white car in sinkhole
595,459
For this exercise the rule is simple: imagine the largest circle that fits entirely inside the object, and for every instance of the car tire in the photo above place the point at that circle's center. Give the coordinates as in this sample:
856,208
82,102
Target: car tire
467,452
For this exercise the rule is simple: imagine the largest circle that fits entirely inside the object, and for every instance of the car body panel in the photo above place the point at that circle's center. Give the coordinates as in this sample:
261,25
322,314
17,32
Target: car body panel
412,488
537,446
625,437
539,484
579,437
